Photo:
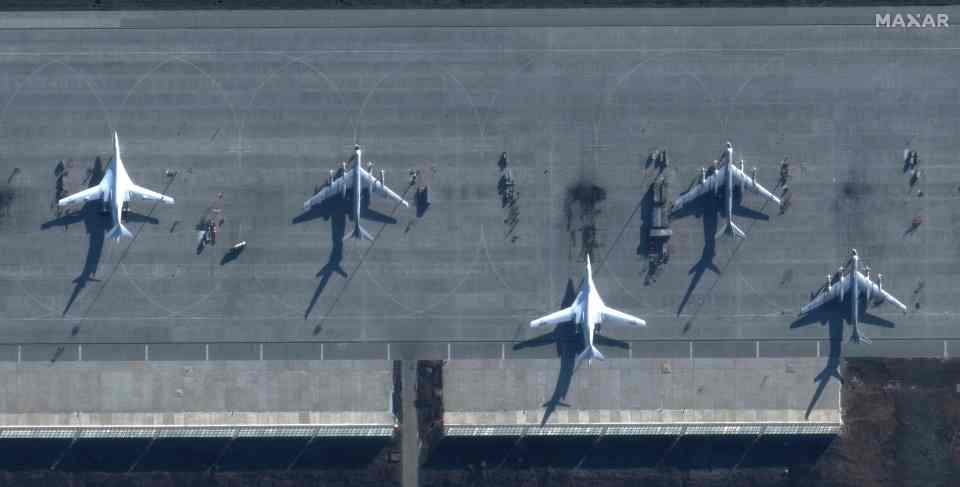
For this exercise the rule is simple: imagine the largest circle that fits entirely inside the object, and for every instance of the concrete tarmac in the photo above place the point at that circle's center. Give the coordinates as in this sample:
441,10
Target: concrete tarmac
262,114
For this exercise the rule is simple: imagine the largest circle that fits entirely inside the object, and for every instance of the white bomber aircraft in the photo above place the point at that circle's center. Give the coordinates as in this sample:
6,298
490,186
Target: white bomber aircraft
725,174
853,284
114,190
355,179
588,311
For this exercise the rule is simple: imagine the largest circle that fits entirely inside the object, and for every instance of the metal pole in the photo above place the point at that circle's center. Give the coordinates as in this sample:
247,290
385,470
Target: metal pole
306,445
144,453
73,441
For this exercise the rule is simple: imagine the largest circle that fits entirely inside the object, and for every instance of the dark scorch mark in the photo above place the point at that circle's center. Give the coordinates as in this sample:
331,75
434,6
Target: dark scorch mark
582,206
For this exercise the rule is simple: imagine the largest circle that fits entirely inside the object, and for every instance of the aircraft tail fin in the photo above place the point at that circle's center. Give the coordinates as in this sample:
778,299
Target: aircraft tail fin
589,355
119,231
858,337
359,233
731,229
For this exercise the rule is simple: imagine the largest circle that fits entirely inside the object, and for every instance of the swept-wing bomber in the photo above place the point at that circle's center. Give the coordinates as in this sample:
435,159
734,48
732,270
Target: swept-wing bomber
354,180
725,174
588,311
852,285
115,190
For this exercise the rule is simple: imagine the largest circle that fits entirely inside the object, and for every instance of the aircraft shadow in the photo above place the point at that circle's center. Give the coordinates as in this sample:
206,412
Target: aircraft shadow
740,210
833,315
95,223
606,341
130,216
335,210
710,209
874,320
706,207
340,206
569,343
646,219
370,214
335,205
231,256
421,202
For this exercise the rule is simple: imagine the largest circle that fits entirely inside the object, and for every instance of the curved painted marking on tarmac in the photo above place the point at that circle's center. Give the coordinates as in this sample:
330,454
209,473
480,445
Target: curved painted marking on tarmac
733,100
357,122
294,309
223,95
473,106
226,101
483,124
80,73
292,60
608,99
29,295
754,290
486,251
493,99
156,66
173,313
3,112
363,105
441,298
273,74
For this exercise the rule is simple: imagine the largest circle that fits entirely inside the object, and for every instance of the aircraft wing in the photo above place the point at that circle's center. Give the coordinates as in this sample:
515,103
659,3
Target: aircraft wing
699,189
754,186
149,195
826,296
89,194
381,189
613,316
339,185
555,318
876,290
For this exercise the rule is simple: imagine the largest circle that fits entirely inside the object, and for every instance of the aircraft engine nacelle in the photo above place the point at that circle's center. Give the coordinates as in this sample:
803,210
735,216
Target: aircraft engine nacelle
829,286
383,178
703,175
754,177
880,285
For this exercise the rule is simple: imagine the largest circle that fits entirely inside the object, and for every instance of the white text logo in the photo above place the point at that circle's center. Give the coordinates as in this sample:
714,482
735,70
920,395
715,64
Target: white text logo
919,21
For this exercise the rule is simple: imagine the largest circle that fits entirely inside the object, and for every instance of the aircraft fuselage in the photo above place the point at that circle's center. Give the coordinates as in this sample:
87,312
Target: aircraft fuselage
116,195
357,186
591,307
855,294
